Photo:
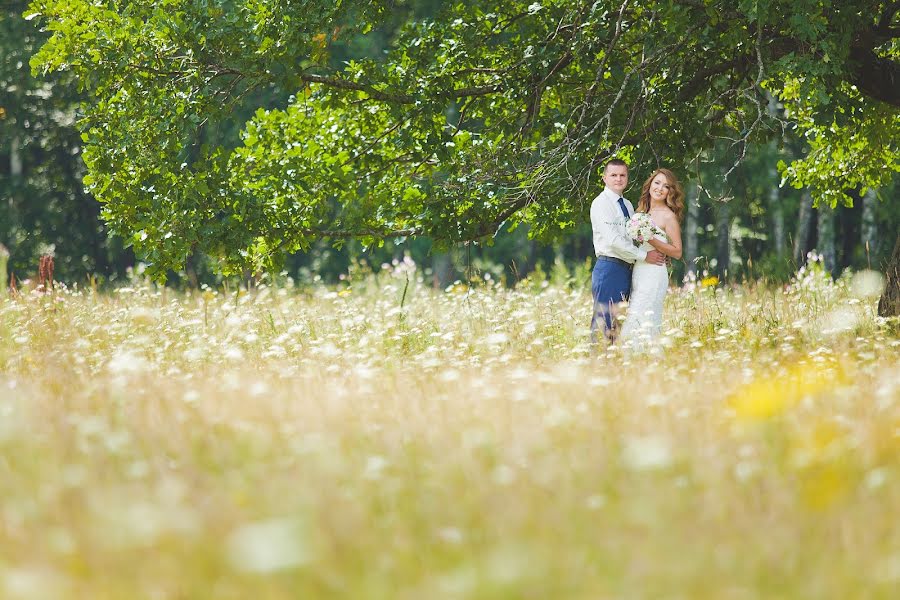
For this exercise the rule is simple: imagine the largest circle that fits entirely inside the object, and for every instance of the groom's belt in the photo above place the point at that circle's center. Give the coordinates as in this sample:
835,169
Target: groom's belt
603,257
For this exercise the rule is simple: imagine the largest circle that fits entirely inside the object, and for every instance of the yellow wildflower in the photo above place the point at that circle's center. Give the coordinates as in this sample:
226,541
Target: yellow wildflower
824,484
769,396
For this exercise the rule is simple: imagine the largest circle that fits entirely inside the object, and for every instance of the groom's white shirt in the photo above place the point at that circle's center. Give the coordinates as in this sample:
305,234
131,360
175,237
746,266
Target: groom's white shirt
608,224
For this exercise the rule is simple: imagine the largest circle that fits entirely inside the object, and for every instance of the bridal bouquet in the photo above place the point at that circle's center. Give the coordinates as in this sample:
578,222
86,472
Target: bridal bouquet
641,228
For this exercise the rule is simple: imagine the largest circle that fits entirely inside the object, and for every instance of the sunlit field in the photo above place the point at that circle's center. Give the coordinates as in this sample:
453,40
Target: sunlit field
382,439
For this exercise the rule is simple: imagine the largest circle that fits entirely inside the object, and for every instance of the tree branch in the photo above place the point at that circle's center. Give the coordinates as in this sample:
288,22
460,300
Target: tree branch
701,78
875,76
338,83
888,15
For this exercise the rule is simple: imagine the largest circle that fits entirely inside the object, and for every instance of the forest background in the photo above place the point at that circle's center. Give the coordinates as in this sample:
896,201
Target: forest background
750,226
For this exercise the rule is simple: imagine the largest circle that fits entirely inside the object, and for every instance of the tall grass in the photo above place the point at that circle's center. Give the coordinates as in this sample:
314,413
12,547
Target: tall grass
385,440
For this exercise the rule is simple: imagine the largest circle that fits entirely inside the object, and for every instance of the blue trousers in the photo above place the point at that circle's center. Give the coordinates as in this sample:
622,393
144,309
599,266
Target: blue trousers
610,284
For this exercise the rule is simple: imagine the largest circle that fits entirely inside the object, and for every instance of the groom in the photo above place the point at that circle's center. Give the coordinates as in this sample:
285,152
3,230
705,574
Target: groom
615,251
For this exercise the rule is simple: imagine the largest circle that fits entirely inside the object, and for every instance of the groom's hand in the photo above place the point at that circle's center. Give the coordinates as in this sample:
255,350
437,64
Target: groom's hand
655,257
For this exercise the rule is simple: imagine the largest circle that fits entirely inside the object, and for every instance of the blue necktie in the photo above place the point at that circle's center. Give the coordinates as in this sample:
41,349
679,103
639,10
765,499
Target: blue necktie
622,206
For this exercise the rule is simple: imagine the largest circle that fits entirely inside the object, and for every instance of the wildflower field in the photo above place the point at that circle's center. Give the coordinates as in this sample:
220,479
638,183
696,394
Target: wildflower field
382,439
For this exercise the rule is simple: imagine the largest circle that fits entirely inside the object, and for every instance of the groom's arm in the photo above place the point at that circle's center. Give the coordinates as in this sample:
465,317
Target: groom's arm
607,227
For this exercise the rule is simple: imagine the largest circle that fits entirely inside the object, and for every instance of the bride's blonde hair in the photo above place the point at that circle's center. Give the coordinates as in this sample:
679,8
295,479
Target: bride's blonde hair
675,199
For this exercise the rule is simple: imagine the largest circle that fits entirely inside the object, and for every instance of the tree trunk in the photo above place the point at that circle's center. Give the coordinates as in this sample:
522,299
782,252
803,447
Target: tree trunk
15,158
777,220
691,223
190,270
442,269
15,179
825,235
775,209
4,258
723,241
869,233
804,226
527,249
15,172
889,305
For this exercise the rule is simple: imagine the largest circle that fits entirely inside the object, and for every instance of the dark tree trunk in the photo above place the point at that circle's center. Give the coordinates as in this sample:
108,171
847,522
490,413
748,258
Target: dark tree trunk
775,208
889,305
825,228
777,220
723,241
442,269
847,235
869,228
691,223
15,158
190,270
804,225
875,76
527,249
15,172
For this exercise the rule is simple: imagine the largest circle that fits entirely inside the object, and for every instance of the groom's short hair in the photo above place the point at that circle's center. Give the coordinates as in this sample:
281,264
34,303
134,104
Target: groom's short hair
616,162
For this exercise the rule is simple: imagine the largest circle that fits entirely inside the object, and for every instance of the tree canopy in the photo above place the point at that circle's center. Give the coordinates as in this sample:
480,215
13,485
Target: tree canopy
44,207
485,116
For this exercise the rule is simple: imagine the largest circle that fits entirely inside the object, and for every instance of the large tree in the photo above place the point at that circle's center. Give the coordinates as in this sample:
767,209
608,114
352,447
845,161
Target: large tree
488,115
43,206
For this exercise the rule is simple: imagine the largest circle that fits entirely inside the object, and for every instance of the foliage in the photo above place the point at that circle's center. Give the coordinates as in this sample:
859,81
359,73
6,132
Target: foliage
44,207
857,152
484,117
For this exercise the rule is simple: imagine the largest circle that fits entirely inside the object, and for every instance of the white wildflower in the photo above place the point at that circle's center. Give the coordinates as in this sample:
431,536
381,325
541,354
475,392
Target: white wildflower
269,546
650,452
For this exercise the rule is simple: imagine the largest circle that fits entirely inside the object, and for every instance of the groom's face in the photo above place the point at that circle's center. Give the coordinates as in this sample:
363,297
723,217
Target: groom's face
616,178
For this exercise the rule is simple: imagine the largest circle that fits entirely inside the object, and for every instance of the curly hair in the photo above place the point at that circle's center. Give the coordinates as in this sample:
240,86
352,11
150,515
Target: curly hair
675,199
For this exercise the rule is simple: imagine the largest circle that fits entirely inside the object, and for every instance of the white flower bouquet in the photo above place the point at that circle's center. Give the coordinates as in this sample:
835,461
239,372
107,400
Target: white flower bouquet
641,228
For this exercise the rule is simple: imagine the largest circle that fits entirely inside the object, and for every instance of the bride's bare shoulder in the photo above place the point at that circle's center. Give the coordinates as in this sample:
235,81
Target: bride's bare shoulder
664,214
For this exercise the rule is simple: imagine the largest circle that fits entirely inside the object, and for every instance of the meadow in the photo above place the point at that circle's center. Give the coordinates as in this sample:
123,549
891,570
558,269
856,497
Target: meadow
382,439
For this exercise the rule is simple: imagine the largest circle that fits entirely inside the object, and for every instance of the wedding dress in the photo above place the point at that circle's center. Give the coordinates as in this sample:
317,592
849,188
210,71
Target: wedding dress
643,322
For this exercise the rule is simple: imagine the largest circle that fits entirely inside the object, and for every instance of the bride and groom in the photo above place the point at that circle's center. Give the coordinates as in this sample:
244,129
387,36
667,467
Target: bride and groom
625,271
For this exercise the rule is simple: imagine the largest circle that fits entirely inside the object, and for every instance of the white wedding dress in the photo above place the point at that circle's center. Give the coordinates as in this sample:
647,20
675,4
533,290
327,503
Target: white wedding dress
649,284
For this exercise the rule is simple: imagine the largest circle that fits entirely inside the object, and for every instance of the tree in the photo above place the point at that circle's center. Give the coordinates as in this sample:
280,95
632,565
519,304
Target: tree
487,116
44,207
825,237
889,304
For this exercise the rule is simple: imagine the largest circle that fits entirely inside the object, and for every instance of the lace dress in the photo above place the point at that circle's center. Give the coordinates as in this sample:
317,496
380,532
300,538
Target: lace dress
649,284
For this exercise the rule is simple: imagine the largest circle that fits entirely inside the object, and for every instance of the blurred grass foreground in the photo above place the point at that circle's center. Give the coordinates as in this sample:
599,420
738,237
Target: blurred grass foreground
384,440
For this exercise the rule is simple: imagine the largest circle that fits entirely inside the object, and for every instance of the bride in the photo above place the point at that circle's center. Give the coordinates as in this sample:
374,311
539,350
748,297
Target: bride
662,197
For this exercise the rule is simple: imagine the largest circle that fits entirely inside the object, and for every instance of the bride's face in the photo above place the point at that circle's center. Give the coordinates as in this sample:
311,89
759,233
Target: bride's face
659,188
